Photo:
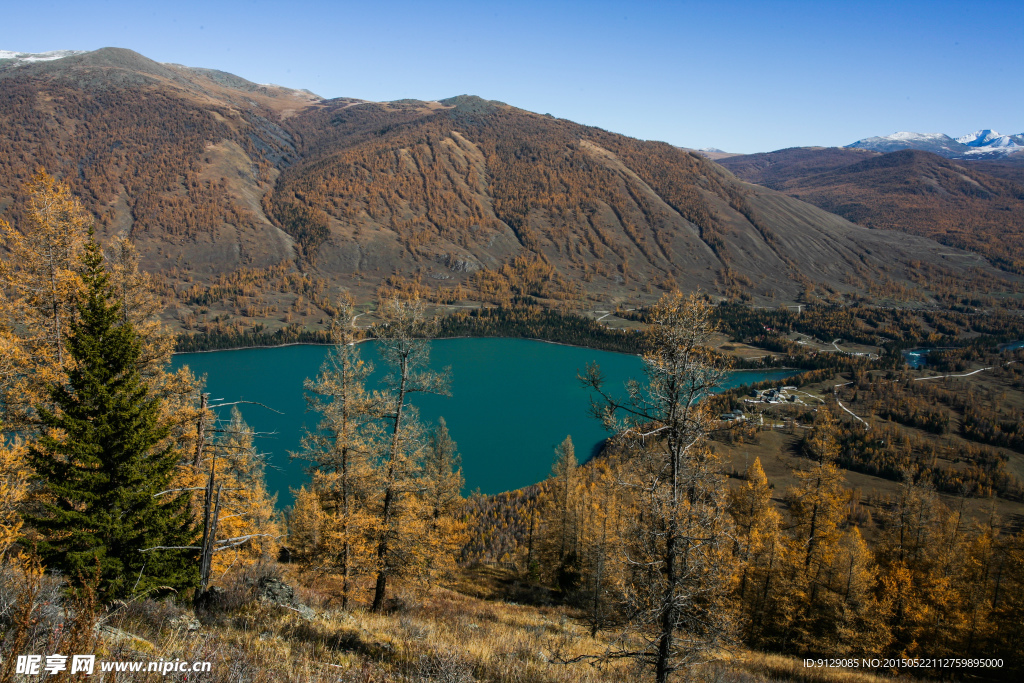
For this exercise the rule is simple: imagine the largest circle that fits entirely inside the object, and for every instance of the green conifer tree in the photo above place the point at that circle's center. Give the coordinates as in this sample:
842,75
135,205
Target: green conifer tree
102,458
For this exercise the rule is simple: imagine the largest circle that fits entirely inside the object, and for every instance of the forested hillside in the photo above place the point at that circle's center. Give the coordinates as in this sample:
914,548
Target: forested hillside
775,169
463,187
168,155
958,203
255,205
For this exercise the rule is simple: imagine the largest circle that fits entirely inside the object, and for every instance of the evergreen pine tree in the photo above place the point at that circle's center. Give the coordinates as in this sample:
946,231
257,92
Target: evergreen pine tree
102,458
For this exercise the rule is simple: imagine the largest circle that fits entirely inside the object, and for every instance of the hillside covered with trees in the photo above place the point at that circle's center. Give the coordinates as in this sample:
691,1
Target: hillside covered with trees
135,524
254,206
978,206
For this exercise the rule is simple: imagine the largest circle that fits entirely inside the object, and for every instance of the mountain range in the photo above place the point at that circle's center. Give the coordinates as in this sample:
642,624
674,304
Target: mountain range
213,175
982,144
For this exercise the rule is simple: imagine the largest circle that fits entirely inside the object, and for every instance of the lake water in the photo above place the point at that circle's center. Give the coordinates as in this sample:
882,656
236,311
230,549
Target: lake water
916,358
512,402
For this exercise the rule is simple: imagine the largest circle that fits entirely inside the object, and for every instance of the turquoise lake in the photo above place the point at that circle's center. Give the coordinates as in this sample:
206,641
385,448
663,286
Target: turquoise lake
512,402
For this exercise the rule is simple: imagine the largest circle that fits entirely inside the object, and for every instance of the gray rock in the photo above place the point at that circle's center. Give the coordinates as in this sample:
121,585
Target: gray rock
275,590
116,636
306,612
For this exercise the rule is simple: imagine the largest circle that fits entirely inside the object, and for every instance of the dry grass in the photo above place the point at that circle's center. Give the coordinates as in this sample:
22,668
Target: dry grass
439,635
771,667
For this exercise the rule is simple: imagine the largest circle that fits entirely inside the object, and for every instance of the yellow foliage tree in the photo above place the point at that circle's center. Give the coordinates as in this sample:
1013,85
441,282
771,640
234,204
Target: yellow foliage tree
139,305
561,545
248,526
445,531
401,520
762,555
339,452
305,524
14,481
919,539
1007,638
41,283
678,541
856,616
601,514
14,471
817,506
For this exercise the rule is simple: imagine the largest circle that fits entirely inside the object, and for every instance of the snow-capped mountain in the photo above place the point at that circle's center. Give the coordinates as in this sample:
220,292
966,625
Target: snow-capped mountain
25,57
978,138
977,145
985,141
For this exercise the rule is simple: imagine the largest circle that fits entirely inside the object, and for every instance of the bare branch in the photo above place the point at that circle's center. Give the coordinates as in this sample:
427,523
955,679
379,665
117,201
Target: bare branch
193,488
255,403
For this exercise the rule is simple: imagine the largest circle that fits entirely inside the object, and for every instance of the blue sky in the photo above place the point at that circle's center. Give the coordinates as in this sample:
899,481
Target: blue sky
742,76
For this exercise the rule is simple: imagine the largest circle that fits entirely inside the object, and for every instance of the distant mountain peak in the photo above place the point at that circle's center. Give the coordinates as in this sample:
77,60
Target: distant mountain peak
984,143
978,138
907,135
472,104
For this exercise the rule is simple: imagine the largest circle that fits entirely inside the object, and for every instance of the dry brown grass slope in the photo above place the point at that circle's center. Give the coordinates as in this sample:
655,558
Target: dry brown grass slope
464,633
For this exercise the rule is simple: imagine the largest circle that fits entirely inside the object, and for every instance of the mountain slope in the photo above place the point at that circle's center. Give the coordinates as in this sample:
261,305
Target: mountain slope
775,169
956,203
475,183
172,156
210,174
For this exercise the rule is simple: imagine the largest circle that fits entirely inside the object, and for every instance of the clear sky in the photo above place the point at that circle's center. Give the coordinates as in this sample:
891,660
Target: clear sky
741,76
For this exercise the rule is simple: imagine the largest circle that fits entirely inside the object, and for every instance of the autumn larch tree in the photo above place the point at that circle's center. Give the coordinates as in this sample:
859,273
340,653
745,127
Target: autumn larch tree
678,546
41,283
305,519
140,306
817,505
14,487
601,515
561,518
405,349
761,554
248,525
443,503
919,550
340,451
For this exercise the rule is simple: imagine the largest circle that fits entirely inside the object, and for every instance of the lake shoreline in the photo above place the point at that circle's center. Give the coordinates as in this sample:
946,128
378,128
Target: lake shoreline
432,339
